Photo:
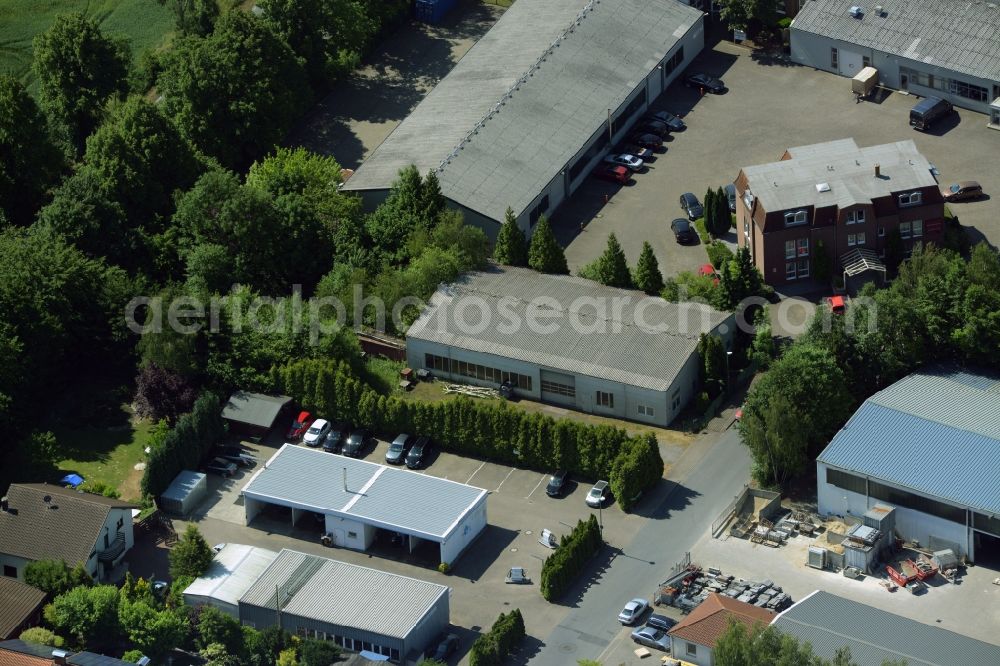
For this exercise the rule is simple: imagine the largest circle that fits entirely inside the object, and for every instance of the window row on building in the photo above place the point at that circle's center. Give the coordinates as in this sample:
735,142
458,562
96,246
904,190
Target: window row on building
895,496
946,84
347,643
476,371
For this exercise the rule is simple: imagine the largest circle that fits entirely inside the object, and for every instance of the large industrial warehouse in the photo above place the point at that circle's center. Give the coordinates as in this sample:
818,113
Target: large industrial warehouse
928,445
567,341
359,609
529,111
931,48
357,499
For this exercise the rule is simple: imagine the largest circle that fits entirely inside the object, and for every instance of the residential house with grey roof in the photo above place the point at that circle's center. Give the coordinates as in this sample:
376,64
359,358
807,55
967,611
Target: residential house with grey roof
837,206
529,111
567,341
20,607
43,522
932,48
829,622
929,445
357,501
358,608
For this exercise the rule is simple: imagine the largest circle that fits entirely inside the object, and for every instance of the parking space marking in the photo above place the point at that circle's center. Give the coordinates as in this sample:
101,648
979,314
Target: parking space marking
528,496
504,479
476,472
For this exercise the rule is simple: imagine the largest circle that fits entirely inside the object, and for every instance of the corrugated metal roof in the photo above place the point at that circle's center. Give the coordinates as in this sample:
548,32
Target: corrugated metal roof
414,503
949,417
233,571
829,622
344,594
254,409
560,103
959,35
621,342
848,170
94,659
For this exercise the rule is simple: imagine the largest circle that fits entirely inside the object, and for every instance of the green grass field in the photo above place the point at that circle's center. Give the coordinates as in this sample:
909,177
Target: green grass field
107,455
145,23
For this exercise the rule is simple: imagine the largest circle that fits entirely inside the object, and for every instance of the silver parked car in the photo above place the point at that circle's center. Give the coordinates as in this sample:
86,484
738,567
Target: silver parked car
625,160
652,637
633,611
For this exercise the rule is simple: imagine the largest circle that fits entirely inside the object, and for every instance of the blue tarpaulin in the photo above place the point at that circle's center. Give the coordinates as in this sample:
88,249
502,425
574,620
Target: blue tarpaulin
71,480
372,656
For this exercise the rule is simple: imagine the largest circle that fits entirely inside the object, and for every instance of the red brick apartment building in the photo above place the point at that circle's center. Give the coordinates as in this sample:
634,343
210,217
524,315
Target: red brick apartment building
838,199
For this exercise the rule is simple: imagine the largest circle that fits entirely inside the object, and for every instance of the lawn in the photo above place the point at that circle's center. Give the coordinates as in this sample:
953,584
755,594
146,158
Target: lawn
145,23
107,455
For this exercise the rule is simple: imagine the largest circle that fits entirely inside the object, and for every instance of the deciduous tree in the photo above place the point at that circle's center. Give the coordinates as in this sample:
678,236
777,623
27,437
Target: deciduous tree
193,17
78,70
30,163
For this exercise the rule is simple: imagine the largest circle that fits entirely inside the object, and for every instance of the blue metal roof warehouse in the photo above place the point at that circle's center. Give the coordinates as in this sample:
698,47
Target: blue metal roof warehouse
929,445
828,623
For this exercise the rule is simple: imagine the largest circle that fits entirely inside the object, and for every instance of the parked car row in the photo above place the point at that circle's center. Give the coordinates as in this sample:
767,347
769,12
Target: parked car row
653,633
227,460
410,450
634,155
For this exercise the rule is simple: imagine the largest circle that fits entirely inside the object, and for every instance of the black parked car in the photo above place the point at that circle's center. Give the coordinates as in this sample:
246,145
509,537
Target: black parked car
398,449
661,622
705,82
670,120
445,648
419,453
557,483
683,233
356,443
236,454
691,206
655,127
336,437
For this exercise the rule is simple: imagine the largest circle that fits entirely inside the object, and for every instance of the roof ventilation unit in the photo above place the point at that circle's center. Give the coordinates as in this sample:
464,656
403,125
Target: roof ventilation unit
822,187
857,12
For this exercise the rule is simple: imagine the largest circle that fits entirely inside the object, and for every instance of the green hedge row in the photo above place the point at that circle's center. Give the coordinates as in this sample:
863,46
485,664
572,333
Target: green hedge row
491,430
563,566
185,445
493,647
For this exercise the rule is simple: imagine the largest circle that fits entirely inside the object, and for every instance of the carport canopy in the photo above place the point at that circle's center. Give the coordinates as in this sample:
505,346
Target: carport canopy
389,498
254,409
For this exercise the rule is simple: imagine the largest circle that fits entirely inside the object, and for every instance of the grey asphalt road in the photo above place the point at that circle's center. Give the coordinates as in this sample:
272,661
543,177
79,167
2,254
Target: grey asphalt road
591,630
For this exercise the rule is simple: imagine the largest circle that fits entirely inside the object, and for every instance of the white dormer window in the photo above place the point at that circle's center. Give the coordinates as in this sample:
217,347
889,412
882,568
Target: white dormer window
909,199
856,216
795,217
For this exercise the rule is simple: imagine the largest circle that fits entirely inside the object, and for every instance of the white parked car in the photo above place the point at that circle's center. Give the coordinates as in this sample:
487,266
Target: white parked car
317,432
633,611
626,160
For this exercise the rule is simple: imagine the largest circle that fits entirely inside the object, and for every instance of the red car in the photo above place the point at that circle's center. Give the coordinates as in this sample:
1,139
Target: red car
836,303
614,174
300,425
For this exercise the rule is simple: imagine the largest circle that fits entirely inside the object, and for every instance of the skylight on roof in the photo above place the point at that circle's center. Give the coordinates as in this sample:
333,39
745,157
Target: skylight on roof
822,187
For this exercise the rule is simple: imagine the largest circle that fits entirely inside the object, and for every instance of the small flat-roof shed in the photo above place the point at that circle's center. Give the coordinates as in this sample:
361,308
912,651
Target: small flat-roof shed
253,413
184,493
358,498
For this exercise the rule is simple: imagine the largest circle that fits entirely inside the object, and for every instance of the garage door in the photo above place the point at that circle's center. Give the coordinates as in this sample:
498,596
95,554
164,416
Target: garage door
558,388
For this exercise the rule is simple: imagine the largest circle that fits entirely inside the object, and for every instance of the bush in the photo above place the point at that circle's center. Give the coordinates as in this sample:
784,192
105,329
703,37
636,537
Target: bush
444,567
563,566
490,430
99,488
42,636
699,225
784,23
635,471
493,647
718,253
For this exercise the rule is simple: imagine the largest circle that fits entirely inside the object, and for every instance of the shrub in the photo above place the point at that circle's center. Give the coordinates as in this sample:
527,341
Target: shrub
42,636
185,445
493,647
784,23
99,488
563,566
444,567
718,253
699,225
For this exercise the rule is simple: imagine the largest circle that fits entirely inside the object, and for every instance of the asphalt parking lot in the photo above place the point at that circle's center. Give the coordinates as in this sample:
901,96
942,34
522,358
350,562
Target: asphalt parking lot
517,511
770,106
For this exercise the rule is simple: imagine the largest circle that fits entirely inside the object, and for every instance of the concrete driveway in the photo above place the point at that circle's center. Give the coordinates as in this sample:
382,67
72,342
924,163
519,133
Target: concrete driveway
771,105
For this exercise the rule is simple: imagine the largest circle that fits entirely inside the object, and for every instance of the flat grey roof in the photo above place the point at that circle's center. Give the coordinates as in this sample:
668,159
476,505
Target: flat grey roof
254,408
829,622
233,571
898,430
849,172
344,594
959,35
186,482
389,497
572,61
635,339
